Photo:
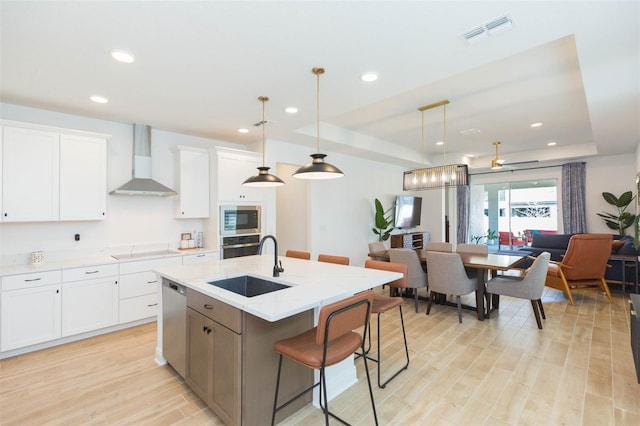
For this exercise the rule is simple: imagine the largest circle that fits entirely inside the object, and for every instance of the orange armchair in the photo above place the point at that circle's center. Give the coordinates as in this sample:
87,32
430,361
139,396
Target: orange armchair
583,264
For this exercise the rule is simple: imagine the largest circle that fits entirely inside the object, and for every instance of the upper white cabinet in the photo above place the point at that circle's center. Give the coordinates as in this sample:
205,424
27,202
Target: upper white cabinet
83,177
192,182
51,174
234,167
30,175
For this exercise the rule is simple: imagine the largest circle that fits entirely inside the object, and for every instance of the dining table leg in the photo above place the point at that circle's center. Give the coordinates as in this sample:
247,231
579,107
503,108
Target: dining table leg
480,281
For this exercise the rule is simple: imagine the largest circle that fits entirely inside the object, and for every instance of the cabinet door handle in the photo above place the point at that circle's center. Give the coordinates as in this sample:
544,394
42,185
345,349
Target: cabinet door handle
32,279
207,306
91,272
155,304
153,282
200,255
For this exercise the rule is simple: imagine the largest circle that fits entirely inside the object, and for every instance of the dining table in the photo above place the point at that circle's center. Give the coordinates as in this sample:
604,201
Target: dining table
482,262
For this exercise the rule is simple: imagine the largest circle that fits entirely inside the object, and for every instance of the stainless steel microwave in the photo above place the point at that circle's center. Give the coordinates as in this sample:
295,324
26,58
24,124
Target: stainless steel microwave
237,220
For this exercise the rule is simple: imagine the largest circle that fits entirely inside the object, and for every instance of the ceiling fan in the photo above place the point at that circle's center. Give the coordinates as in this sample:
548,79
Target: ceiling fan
497,163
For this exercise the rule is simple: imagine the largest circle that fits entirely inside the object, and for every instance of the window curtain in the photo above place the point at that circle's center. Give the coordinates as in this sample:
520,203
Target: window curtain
463,199
573,198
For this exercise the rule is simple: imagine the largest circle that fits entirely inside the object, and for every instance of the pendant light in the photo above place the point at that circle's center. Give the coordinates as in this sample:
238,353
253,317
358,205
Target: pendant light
318,169
448,175
263,178
496,164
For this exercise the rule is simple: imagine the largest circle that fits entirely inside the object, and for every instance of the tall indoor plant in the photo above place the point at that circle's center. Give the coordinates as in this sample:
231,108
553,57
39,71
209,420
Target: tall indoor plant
383,221
623,219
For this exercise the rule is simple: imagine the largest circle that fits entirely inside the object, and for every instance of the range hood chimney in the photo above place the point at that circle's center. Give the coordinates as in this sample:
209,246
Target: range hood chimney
141,182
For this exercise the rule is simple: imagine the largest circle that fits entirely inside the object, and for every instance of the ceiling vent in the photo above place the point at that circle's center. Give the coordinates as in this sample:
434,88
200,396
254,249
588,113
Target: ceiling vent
492,27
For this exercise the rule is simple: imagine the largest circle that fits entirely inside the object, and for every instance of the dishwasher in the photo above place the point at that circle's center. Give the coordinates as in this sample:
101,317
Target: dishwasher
174,325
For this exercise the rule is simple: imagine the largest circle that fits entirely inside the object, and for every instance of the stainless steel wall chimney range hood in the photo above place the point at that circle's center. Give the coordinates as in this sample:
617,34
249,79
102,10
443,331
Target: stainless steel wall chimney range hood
141,182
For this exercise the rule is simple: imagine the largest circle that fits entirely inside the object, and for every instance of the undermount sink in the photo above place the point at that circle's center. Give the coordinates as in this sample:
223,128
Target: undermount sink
143,254
248,286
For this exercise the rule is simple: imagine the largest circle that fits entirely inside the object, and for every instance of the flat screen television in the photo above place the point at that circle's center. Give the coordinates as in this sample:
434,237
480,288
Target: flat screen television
408,211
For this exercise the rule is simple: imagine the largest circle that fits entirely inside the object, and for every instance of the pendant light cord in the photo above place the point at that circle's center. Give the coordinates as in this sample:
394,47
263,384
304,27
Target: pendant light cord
263,99
318,72
444,134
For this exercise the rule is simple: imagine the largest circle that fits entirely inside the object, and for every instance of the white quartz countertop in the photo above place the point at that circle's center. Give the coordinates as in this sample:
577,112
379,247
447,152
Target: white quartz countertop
313,283
95,260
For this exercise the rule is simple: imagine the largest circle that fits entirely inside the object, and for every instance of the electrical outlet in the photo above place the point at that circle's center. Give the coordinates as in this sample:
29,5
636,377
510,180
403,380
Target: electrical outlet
77,237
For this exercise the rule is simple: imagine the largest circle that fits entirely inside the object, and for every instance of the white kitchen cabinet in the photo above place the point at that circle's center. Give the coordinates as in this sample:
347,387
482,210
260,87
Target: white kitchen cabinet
192,182
139,288
89,298
30,309
83,177
190,259
234,167
51,174
30,175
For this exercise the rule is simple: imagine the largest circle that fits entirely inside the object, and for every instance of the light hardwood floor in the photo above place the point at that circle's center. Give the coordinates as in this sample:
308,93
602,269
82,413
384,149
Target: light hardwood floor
502,371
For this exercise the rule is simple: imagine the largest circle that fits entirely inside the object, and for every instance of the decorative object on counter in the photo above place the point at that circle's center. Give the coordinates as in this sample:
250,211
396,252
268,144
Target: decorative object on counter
37,257
200,240
184,240
318,169
443,176
192,243
263,178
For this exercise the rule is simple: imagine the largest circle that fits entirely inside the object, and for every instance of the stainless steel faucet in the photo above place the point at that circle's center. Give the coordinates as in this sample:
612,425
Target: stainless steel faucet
277,266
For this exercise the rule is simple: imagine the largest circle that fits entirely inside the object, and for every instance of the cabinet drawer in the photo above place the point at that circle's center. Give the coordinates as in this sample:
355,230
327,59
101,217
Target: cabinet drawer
34,279
89,272
140,307
218,311
199,258
148,265
138,284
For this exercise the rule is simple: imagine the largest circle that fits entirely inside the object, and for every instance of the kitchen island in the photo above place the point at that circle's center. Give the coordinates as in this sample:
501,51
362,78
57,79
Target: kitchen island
256,323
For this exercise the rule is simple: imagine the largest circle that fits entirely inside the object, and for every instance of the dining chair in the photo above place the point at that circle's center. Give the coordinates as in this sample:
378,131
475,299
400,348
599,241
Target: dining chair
530,286
331,342
416,277
298,254
583,264
472,248
447,276
382,304
438,246
328,258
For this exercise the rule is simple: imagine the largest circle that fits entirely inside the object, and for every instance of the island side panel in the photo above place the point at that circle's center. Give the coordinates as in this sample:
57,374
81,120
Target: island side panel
260,368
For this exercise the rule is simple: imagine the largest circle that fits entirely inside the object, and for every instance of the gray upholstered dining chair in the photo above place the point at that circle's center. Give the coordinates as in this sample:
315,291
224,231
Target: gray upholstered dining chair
530,286
416,277
472,248
438,246
447,276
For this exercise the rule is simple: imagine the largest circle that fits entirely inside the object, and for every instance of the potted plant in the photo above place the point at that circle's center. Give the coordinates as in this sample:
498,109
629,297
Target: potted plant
622,219
383,221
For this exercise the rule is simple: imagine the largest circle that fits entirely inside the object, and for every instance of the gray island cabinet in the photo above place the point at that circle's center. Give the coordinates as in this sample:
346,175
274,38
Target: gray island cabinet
230,361
231,364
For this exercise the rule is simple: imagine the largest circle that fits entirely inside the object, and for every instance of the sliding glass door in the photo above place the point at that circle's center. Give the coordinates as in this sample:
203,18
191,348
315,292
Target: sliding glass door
506,215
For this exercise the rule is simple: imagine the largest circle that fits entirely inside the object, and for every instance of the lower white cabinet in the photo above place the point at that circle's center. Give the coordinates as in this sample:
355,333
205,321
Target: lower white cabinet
30,315
89,298
139,288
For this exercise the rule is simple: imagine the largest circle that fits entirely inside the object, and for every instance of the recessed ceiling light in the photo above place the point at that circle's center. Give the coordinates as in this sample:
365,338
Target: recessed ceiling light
439,143
536,124
99,99
369,77
122,56
471,131
552,143
291,110
243,130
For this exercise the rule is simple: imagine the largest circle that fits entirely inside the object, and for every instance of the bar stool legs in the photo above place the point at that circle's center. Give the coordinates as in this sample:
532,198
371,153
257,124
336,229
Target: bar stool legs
378,360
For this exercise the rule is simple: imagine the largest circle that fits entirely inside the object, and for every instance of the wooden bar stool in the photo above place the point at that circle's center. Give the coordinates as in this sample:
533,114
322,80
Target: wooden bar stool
328,258
332,341
298,254
382,304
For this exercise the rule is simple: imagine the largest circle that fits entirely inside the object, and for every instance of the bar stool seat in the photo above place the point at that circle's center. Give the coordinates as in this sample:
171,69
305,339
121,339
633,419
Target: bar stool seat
331,342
